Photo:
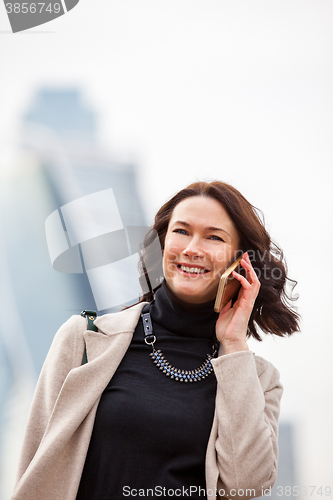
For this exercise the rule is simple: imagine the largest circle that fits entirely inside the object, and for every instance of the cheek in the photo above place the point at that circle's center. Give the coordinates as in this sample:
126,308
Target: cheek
224,256
171,250
221,259
221,256
170,256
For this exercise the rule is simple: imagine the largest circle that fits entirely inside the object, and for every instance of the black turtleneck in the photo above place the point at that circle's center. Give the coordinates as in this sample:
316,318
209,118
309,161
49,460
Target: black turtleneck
151,432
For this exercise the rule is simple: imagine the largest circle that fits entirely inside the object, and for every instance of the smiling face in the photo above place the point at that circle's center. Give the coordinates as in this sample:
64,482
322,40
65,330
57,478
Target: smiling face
200,243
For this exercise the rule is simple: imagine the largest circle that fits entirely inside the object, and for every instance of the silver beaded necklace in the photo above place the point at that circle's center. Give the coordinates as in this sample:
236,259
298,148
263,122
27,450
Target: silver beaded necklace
170,371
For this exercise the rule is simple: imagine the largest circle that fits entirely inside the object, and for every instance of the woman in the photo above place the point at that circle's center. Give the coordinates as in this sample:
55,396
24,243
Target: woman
119,426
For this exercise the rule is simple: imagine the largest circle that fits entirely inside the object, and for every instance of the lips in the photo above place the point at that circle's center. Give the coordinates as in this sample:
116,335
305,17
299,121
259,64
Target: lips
192,269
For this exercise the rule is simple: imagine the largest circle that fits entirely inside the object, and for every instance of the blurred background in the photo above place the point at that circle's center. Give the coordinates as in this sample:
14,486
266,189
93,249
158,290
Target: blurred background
145,97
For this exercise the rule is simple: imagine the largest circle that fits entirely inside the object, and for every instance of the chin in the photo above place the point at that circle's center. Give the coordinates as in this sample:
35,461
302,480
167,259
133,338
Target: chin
193,296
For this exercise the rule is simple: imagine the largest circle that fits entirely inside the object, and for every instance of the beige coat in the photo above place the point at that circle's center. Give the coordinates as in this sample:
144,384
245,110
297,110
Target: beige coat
242,449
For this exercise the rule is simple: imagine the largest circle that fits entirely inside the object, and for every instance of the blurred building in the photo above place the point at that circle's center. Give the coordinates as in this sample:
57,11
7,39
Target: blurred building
58,161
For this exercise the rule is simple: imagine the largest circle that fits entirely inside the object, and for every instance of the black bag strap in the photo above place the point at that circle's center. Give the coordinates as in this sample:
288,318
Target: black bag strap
90,317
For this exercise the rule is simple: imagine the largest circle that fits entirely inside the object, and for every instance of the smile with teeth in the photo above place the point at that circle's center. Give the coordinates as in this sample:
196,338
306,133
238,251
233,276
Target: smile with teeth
192,270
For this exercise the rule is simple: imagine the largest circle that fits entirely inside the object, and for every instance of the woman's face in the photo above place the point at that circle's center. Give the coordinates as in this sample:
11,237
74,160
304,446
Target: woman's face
200,243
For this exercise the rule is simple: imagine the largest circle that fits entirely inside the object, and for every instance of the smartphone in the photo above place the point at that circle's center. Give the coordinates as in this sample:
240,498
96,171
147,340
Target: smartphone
228,286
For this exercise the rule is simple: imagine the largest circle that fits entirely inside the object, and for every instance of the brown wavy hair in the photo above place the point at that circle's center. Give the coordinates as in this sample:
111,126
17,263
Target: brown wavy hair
272,311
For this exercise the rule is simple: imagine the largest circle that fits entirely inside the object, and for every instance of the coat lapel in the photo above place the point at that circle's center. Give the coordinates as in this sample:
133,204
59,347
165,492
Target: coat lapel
84,384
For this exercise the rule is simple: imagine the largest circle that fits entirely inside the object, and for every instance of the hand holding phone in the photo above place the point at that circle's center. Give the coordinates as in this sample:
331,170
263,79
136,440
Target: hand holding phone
228,286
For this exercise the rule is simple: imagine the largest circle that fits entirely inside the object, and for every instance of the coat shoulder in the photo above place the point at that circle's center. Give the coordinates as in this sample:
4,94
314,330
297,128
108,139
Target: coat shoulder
120,322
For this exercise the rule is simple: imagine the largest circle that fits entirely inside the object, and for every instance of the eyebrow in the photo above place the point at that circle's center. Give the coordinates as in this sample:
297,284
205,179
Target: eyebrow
210,228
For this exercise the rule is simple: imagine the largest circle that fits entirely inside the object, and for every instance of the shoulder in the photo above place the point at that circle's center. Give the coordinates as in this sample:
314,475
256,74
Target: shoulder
70,331
67,343
121,322
77,324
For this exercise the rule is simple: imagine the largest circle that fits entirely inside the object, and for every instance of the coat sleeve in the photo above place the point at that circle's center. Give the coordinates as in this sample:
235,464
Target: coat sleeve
65,353
247,411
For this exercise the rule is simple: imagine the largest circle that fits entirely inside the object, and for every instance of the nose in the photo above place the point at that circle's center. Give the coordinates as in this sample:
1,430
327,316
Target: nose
193,249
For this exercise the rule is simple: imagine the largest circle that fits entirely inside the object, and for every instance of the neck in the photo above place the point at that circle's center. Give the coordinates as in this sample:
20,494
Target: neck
181,317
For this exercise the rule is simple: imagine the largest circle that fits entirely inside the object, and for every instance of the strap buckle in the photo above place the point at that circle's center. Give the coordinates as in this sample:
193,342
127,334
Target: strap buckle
150,338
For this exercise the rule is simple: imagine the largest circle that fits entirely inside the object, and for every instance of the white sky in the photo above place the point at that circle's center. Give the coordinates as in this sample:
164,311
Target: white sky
236,90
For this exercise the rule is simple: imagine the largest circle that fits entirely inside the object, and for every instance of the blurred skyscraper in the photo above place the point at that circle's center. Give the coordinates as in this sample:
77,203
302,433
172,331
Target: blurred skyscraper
58,161
63,112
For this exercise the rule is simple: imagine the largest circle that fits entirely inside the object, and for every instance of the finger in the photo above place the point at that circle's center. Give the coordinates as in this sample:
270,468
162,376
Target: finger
246,263
244,282
250,272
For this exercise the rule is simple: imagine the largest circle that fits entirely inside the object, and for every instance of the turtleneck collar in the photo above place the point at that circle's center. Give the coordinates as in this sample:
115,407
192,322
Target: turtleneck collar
188,320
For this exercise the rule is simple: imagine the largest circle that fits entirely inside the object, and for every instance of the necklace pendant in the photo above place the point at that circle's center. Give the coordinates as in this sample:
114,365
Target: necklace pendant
182,375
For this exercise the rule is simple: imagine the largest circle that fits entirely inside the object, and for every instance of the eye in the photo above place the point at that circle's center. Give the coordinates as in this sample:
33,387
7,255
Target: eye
180,231
217,238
